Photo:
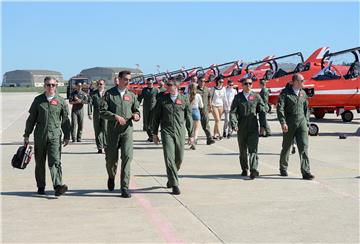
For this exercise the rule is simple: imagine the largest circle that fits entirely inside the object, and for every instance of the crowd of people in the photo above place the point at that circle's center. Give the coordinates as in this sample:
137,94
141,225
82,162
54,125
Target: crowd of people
171,111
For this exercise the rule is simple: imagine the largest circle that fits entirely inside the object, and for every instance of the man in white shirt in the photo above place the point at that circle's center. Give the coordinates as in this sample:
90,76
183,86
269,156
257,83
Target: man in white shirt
230,93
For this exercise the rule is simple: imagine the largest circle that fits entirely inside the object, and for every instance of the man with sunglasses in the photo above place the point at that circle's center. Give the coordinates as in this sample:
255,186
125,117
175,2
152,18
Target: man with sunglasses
293,115
148,94
243,115
204,111
120,107
172,110
77,99
100,124
49,115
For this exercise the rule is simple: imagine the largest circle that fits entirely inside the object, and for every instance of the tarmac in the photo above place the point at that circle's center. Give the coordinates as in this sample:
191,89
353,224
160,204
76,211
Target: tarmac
217,204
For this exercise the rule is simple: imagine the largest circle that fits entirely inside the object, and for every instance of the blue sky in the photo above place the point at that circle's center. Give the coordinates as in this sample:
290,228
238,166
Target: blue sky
69,37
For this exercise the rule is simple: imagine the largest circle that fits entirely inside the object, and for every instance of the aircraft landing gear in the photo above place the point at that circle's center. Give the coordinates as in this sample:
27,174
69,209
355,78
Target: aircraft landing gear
313,129
347,116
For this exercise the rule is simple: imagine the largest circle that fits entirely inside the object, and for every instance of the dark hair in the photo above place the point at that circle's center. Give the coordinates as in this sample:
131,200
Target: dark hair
149,79
217,79
98,81
242,80
262,82
192,93
123,73
48,78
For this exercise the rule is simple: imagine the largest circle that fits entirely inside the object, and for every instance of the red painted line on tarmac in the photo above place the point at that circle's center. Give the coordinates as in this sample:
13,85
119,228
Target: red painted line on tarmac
163,226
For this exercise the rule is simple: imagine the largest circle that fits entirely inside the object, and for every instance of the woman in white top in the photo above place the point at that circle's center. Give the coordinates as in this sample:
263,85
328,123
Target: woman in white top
196,103
218,95
229,97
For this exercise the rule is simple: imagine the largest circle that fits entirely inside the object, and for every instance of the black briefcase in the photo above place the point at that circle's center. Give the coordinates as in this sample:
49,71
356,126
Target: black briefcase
22,157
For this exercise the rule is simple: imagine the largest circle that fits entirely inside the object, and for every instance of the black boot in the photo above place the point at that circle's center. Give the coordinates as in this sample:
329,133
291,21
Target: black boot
176,190
100,151
210,141
41,190
111,184
60,190
125,193
283,172
308,176
168,185
254,174
244,173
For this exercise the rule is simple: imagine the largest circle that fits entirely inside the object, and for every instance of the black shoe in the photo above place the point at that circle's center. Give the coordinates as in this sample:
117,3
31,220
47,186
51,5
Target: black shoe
125,193
224,134
228,136
192,147
100,151
168,185
244,173
111,184
176,190
78,140
293,151
73,140
150,139
41,190
283,172
60,190
254,174
210,141
308,176
220,138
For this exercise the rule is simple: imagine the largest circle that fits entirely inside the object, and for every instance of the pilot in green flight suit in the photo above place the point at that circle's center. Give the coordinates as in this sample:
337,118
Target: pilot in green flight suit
204,112
120,107
149,94
264,94
49,115
243,116
77,98
172,111
293,115
100,124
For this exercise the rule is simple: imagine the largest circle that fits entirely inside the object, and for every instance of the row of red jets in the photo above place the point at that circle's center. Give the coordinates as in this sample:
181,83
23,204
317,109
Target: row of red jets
332,87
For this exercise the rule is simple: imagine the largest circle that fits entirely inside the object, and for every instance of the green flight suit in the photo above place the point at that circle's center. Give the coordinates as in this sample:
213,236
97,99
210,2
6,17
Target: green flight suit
204,112
293,111
243,115
119,136
77,114
48,118
149,96
100,124
171,116
264,93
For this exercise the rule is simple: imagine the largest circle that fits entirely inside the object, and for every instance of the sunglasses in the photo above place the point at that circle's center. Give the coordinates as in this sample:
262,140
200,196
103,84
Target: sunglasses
125,79
50,85
231,85
247,83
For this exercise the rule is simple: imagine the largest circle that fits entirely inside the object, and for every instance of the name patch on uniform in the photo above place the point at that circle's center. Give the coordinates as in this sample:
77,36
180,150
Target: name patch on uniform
178,101
126,98
54,102
251,98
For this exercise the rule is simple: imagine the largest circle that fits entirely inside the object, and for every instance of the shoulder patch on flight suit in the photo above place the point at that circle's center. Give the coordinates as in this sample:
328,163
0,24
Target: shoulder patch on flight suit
251,98
178,101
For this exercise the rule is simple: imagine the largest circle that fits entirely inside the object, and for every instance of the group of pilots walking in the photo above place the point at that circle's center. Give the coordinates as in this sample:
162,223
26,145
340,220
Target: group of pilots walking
115,110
